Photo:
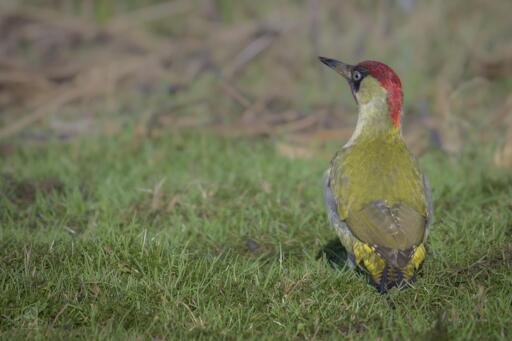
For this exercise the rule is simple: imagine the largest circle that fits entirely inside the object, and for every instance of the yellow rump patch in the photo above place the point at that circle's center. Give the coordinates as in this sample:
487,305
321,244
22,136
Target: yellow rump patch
375,264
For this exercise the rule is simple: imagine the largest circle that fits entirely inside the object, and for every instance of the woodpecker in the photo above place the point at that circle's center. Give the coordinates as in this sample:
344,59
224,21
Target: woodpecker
378,200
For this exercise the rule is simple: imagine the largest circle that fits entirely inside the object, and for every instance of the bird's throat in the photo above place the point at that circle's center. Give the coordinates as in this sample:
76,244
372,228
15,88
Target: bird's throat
374,120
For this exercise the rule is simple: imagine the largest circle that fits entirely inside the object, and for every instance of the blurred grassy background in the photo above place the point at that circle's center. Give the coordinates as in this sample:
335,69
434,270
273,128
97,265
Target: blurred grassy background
89,67
160,167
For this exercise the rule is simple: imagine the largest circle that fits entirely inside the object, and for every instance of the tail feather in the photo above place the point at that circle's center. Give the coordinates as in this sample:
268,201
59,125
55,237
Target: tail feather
384,275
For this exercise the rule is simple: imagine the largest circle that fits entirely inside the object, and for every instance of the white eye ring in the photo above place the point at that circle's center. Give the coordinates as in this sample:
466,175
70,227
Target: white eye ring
357,76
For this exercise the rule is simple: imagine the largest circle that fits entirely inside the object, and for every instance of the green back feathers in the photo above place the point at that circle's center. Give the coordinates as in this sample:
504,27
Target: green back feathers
377,168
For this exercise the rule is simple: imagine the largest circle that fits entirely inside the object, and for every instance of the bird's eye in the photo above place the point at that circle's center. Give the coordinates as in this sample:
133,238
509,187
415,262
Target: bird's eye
357,76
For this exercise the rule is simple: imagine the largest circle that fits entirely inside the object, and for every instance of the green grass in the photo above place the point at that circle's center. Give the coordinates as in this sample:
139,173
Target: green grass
203,237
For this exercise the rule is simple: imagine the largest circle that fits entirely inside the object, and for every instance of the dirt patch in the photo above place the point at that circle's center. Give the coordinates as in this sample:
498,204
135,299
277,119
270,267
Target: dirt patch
25,191
356,327
252,245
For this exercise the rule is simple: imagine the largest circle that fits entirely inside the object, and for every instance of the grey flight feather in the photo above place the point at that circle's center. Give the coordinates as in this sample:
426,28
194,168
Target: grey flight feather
332,214
428,198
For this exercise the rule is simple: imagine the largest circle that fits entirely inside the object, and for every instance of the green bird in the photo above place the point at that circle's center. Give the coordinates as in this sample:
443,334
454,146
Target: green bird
378,200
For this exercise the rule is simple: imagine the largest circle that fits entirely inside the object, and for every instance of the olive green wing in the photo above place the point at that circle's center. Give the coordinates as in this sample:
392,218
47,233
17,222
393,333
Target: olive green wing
393,226
394,230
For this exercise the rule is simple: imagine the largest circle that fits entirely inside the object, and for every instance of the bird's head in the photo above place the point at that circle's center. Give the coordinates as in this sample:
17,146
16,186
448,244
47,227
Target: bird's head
373,84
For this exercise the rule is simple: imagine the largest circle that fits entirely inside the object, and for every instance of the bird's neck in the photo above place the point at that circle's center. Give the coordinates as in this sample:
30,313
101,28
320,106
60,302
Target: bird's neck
374,121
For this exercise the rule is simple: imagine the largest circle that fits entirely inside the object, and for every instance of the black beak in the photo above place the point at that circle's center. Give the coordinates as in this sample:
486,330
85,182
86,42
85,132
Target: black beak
343,69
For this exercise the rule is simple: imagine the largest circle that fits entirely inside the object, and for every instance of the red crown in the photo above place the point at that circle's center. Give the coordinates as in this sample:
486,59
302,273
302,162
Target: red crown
390,81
